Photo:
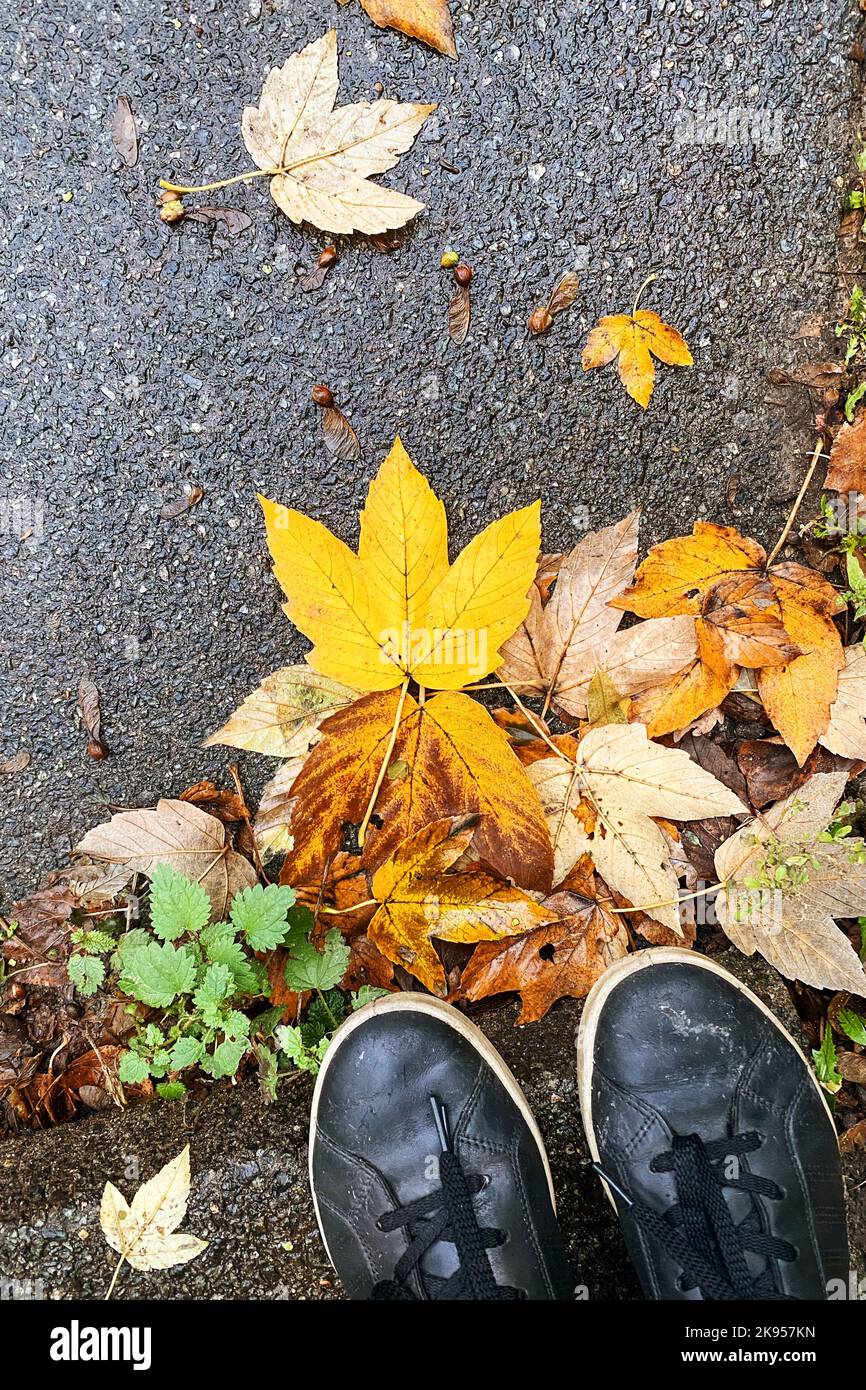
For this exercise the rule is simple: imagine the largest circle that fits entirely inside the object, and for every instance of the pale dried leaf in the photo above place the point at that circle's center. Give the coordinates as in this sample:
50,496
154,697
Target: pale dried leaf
179,834
282,717
273,822
326,156
144,1232
846,732
794,927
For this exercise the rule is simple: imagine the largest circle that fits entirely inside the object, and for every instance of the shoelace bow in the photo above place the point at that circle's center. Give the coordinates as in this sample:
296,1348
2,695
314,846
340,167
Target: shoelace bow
699,1232
447,1214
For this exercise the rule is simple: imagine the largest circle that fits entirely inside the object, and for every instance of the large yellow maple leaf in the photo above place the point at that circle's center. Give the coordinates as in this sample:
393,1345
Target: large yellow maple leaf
397,610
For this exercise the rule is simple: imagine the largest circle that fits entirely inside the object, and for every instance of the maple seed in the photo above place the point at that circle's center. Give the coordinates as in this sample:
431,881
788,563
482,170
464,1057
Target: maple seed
96,750
463,274
327,257
322,396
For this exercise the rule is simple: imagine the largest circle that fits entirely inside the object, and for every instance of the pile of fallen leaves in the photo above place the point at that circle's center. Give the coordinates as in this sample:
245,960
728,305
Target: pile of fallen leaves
492,785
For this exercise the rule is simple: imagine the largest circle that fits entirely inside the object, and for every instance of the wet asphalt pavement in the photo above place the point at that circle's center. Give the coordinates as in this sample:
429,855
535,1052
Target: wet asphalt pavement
140,359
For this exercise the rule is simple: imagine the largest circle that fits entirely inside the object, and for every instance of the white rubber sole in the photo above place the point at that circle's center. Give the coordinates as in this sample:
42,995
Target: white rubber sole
597,997
427,1004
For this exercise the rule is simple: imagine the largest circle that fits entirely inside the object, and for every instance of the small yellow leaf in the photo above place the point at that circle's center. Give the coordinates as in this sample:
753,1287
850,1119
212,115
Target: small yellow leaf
282,717
635,339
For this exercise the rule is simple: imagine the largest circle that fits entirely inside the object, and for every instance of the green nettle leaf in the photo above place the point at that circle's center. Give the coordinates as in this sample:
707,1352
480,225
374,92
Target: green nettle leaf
152,973
177,904
133,1069
291,1043
852,1025
160,1063
185,1053
260,915
366,995
86,973
308,968
171,1090
236,1025
213,991
225,1059
825,1064
95,943
221,946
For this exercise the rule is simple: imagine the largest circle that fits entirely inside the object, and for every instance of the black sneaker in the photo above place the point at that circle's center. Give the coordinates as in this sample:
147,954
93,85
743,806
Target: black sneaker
711,1134
429,1175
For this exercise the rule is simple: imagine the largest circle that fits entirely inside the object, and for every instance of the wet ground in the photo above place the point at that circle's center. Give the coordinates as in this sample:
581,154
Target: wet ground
250,1196
703,142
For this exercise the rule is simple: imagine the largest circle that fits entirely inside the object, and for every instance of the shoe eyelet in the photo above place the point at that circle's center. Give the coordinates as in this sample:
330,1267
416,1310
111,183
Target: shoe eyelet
680,1284
379,1226
485,1181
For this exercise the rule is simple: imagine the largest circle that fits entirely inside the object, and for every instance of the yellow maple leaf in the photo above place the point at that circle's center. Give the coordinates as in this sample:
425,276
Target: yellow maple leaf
396,610
635,339
420,901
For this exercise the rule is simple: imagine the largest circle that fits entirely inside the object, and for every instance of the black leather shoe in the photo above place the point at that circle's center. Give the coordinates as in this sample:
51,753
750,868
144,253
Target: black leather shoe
429,1175
711,1134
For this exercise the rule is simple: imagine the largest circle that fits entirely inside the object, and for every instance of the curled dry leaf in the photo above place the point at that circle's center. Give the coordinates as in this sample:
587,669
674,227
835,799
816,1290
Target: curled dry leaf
563,296
16,763
566,957
276,804
340,438
324,157
282,717
565,640
459,314
635,339
427,20
124,132
847,468
91,717
145,1233
689,573
783,888
179,834
419,900
232,220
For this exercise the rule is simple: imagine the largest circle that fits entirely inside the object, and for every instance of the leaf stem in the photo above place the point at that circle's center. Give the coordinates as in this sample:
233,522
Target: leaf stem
117,1269
362,829
796,507
637,299
222,183
353,907
671,902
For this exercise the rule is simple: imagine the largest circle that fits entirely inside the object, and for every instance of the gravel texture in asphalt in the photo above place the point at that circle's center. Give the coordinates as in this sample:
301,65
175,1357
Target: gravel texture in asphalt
703,141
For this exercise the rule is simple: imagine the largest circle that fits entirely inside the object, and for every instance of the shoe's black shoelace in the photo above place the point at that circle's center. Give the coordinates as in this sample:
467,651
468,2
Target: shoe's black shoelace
447,1214
699,1232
